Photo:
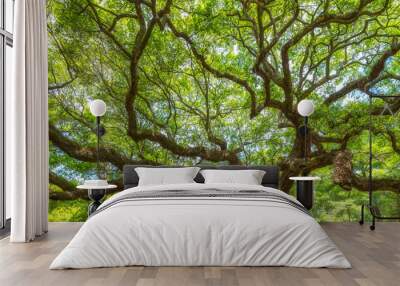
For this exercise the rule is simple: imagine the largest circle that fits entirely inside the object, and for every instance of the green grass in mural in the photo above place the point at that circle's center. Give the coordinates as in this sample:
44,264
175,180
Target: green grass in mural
72,210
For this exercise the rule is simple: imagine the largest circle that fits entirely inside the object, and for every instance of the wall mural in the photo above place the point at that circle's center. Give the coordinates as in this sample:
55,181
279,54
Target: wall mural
218,82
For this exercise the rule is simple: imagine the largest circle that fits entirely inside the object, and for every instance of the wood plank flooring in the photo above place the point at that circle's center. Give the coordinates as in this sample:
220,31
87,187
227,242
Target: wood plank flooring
375,257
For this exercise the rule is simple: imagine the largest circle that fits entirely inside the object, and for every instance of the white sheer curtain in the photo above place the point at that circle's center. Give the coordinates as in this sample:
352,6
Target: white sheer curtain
28,123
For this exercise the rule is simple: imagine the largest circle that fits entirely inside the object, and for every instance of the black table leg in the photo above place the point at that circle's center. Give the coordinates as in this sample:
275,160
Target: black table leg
95,196
305,193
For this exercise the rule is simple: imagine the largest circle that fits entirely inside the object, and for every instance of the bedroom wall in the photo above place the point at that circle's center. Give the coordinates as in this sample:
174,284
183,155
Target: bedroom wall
218,82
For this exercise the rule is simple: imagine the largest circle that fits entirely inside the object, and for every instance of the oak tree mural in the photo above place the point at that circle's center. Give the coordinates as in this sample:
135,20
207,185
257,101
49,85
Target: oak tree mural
218,81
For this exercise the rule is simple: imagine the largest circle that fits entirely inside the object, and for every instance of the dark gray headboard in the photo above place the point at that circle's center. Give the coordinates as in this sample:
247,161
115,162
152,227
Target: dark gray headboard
271,177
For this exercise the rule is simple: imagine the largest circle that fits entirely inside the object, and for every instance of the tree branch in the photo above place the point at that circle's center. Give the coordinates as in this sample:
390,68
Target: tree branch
70,192
89,154
361,83
212,70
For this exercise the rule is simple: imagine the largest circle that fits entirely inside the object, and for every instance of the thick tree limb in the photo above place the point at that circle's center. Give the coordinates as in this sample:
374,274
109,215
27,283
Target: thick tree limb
68,195
88,154
383,184
361,83
61,182
70,192
170,144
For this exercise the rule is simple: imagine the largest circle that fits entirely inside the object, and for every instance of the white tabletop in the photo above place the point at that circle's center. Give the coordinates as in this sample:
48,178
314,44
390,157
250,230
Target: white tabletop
305,178
88,187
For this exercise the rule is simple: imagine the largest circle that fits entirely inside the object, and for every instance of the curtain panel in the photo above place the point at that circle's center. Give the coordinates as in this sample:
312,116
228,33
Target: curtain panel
28,123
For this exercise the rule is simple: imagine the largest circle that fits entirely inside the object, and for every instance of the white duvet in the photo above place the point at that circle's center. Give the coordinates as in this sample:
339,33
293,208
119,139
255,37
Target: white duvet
199,231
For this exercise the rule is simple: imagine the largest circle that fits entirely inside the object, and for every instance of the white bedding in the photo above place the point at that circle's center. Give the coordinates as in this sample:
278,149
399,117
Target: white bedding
200,231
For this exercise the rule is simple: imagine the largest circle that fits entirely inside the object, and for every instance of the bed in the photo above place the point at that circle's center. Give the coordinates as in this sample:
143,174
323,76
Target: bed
198,224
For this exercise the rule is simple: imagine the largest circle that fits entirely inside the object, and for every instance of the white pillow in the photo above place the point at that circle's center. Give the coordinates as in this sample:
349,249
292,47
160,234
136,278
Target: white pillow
248,177
166,176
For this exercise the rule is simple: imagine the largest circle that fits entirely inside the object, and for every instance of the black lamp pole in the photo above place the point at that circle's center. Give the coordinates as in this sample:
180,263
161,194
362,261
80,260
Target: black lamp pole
98,145
100,131
305,138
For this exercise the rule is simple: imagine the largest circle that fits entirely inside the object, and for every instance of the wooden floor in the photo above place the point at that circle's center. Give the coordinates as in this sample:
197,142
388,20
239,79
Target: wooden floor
375,257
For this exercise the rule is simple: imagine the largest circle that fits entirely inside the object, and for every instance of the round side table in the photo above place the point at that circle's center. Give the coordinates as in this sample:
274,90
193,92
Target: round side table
305,190
95,194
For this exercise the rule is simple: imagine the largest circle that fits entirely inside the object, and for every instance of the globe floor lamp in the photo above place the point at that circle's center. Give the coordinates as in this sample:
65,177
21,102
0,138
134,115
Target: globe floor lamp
305,184
98,108
97,188
305,108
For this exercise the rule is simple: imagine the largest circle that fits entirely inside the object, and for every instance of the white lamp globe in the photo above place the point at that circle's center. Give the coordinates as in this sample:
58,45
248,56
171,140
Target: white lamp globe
97,107
305,107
